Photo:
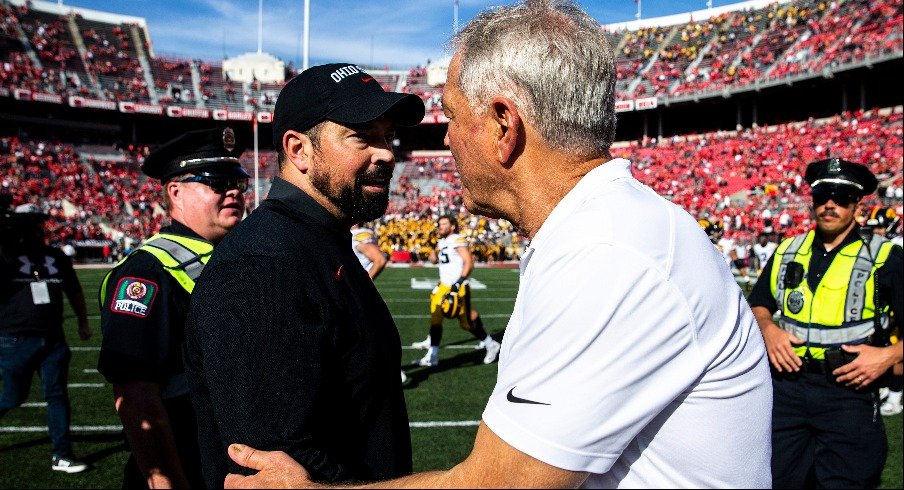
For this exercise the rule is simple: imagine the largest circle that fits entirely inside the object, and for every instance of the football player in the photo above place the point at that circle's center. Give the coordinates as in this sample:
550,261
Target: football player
451,298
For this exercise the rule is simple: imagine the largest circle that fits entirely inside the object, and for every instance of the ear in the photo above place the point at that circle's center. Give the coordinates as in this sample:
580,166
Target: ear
298,149
174,191
507,127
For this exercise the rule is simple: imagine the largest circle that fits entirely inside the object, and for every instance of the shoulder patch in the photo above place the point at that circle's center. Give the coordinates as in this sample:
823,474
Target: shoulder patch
134,296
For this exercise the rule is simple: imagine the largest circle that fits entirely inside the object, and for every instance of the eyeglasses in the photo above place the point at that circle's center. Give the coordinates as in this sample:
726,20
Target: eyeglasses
220,185
841,198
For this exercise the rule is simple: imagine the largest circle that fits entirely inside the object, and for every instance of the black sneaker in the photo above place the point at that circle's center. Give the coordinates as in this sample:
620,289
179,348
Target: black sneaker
68,464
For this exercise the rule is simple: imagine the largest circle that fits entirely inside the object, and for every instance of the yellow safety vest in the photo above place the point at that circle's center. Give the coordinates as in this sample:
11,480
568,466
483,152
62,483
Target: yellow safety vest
843,307
183,257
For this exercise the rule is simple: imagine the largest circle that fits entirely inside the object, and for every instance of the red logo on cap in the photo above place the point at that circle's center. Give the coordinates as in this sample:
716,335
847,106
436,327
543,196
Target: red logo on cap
367,79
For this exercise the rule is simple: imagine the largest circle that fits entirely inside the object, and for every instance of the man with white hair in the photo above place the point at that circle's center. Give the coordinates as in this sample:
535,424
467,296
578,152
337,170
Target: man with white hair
631,358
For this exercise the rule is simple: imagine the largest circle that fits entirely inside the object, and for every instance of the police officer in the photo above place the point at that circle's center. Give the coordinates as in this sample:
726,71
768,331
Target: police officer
33,278
144,301
834,287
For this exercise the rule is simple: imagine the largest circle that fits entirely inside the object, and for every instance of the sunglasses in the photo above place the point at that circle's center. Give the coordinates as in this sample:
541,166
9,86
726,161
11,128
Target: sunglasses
220,185
839,197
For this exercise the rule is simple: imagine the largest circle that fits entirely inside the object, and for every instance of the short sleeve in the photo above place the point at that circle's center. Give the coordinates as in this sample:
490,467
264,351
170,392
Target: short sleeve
136,317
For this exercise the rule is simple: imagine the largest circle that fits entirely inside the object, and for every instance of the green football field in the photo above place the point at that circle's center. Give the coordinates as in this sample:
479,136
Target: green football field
444,403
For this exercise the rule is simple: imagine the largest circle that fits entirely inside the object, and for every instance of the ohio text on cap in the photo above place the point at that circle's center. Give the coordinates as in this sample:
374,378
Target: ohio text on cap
343,93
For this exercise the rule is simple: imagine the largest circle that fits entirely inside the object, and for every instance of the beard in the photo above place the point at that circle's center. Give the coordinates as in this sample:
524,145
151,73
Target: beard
351,199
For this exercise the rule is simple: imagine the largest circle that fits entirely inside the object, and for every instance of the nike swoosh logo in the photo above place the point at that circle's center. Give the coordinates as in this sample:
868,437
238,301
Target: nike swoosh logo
366,79
514,399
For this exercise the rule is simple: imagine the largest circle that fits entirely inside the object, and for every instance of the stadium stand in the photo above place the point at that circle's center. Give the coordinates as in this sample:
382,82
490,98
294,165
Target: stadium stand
62,52
97,194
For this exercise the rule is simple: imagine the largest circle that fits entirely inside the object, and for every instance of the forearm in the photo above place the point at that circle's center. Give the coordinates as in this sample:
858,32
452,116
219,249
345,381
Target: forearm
763,318
77,300
895,353
150,435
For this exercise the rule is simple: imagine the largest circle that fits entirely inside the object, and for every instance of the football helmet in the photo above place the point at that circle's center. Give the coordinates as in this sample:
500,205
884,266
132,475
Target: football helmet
451,305
712,228
881,217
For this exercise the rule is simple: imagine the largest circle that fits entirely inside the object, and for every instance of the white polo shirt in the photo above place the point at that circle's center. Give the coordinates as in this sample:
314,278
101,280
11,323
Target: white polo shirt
631,352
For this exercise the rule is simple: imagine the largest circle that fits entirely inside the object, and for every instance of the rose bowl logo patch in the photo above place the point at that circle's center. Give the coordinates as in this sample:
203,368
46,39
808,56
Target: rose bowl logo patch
134,296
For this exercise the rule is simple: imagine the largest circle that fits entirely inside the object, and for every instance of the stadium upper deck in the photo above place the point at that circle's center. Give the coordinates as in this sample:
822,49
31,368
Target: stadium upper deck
85,58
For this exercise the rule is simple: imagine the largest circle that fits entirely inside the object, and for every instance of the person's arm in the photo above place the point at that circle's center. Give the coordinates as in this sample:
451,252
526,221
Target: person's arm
493,463
76,296
150,435
375,255
779,343
77,300
467,262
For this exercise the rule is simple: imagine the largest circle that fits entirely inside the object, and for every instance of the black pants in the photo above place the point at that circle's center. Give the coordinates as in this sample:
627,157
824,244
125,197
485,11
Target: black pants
825,435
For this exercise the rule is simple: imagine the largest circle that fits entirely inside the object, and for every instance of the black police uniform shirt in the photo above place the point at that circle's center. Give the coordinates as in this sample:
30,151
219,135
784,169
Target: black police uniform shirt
146,345
291,347
31,292
891,275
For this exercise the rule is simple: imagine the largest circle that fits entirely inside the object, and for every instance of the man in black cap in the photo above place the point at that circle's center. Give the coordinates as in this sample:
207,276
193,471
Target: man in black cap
286,328
33,278
144,301
835,287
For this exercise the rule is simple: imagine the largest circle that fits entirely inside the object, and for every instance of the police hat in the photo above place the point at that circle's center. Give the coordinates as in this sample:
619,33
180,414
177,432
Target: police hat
837,172
208,152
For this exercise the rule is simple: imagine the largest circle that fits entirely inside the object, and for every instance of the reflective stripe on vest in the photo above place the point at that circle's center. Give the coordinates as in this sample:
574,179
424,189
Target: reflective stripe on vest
183,257
844,300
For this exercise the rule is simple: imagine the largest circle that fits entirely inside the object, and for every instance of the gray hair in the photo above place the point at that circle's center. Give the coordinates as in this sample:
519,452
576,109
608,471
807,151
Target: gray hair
553,61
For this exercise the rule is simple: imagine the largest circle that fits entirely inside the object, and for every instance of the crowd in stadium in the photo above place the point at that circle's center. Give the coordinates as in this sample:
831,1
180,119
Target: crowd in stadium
728,50
748,180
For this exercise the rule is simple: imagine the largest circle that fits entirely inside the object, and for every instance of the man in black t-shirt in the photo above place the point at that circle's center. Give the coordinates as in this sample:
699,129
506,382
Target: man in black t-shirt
289,345
33,279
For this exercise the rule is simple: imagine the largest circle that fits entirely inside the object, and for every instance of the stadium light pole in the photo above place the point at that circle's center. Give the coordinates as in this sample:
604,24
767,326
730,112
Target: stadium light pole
257,186
455,17
260,26
307,34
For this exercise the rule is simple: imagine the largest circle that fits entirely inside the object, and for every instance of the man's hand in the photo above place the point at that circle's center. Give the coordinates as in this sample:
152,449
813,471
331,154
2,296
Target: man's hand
870,364
84,329
780,347
276,469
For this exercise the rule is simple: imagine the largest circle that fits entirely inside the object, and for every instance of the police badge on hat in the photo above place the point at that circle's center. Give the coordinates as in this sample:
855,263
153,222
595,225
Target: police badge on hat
795,301
834,166
229,139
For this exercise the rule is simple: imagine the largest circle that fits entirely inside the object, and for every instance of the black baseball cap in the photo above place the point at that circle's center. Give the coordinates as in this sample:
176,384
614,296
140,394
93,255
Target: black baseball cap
208,152
342,93
840,175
